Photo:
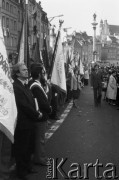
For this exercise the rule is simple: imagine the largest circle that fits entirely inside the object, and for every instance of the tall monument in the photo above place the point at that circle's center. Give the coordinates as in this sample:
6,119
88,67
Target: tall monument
94,37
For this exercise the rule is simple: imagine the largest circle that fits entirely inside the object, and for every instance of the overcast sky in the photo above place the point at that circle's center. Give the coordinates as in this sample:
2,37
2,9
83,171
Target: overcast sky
78,14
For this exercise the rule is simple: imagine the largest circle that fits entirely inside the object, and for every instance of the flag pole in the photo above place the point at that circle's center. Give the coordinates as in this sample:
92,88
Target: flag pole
27,60
55,49
26,34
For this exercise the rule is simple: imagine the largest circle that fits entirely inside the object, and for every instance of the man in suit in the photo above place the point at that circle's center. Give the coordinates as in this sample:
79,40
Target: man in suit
96,82
54,103
37,74
27,116
5,154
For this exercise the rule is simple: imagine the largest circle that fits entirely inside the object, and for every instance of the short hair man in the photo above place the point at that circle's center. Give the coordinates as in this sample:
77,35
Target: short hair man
96,82
27,116
39,93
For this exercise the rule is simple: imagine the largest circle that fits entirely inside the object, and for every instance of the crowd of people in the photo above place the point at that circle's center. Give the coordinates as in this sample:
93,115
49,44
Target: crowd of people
105,82
38,101
111,85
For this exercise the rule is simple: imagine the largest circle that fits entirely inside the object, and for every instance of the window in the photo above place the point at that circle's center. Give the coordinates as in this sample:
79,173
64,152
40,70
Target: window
15,42
15,25
15,10
7,6
11,24
11,8
12,41
18,16
3,4
7,22
3,21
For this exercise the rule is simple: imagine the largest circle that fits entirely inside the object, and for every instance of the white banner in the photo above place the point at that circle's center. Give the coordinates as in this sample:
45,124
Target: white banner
22,45
58,74
8,110
81,68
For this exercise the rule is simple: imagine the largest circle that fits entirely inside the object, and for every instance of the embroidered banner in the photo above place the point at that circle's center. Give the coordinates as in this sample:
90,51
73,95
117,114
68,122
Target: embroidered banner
58,74
8,110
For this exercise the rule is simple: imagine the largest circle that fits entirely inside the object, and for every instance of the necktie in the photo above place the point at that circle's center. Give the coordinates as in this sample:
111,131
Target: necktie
25,85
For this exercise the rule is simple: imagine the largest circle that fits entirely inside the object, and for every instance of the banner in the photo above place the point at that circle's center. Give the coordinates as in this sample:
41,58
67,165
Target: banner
45,55
23,51
81,68
36,55
8,110
53,55
22,45
68,64
58,77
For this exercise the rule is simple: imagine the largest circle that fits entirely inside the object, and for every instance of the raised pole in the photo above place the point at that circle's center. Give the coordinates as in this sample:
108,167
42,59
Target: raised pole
26,35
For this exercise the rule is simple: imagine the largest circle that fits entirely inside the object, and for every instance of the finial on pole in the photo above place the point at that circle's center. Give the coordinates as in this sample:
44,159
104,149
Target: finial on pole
61,22
94,16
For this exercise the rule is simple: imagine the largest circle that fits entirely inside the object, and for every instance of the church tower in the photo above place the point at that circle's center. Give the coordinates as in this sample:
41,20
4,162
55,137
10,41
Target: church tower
101,29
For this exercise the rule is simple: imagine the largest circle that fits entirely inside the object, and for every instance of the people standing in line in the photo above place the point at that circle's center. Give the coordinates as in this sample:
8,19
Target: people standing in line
104,88
117,97
68,84
37,74
112,89
96,82
26,119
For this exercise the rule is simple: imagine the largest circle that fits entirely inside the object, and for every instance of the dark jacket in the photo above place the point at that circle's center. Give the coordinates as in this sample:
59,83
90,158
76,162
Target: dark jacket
96,79
27,113
42,100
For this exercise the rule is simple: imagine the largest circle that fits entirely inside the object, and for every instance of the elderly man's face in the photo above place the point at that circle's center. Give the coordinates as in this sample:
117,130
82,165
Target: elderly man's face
23,72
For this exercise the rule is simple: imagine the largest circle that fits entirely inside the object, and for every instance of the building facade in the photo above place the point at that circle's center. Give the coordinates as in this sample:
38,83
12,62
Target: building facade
34,19
11,16
45,29
86,48
109,37
110,54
